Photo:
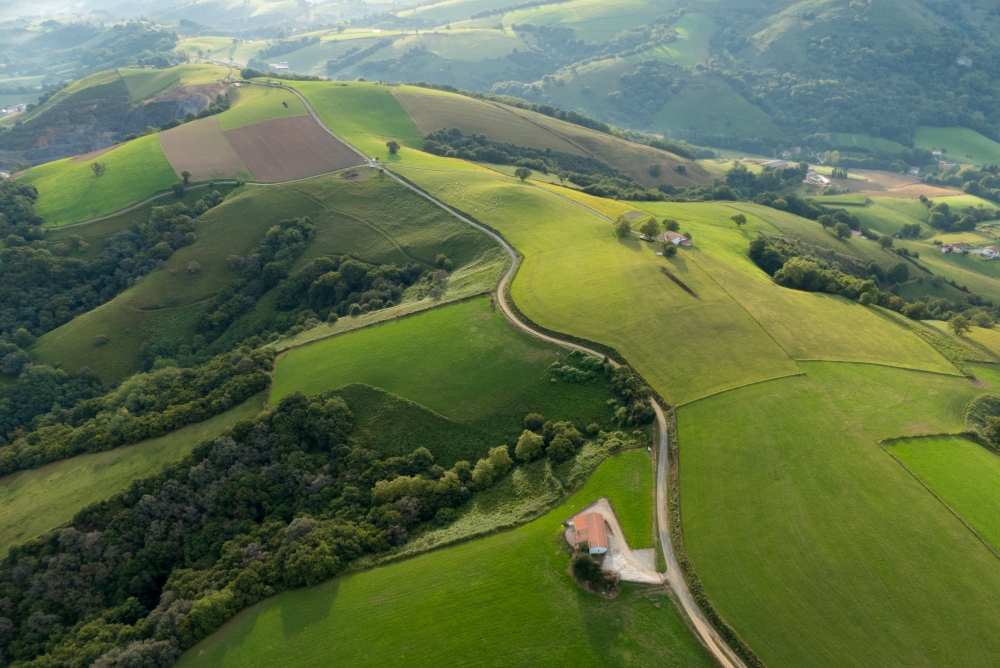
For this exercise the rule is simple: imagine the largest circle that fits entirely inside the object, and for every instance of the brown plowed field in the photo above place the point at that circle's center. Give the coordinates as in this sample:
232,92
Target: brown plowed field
290,148
201,148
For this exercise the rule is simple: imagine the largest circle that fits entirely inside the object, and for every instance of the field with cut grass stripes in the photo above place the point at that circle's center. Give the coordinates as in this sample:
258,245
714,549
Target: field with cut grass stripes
461,360
813,543
964,474
501,600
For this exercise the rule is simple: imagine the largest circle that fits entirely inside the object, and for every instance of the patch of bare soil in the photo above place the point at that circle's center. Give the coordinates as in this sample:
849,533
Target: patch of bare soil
290,148
200,147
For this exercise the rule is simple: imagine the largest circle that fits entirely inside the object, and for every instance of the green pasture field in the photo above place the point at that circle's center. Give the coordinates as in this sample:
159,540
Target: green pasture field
261,103
190,46
849,140
364,114
807,325
578,278
694,31
452,9
461,361
815,545
35,501
469,45
394,426
987,338
143,84
963,474
377,219
96,79
69,192
711,106
963,145
434,110
312,59
504,599
591,20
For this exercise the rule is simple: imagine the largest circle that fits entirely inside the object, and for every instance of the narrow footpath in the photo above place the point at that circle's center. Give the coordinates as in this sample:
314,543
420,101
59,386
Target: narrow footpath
674,577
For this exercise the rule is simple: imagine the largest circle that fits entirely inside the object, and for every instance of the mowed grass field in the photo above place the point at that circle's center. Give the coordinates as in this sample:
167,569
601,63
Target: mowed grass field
964,474
807,325
578,278
69,192
499,601
813,543
257,104
461,361
33,502
963,145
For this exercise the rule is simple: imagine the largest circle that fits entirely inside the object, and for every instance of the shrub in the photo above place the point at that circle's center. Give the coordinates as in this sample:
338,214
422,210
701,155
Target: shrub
587,570
484,474
560,449
529,446
100,340
622,228
533,421
654,171
500,460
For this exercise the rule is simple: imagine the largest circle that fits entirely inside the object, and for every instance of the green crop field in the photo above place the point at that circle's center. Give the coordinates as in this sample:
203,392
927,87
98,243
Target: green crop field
810,539
964,474
35,501
261,103
462,360
147,83
69,192
375,218
364,114
578,278
864,141
962,144
496,601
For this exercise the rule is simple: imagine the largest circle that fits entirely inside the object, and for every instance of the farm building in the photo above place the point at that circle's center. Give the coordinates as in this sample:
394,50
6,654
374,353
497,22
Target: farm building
991,252
953,248
589,528
675,238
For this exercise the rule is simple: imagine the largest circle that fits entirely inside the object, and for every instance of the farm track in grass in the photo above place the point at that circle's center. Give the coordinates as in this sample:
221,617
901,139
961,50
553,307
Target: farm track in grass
39,500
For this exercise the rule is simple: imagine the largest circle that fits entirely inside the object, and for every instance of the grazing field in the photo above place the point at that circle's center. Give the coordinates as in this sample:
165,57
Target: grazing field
711,106
815,545
69,192
591,20
578,278
433,110
963,145
375,218
500,600
364,114
257,104
807,325
461,361
147,83
286,149
694,31
964,475
200,147
864,141
35,501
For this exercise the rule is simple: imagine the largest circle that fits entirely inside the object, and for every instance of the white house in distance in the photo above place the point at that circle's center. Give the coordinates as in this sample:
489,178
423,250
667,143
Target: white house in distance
589,528
674,238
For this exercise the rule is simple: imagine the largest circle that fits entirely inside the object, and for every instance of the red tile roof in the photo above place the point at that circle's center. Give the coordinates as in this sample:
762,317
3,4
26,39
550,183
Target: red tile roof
590,527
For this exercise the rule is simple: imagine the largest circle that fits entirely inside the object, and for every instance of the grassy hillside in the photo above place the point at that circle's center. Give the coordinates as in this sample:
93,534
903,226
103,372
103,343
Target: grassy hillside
261,103
143,84
69,192
462,360
376,219
815,545
965,475
33,502
447,606
963,145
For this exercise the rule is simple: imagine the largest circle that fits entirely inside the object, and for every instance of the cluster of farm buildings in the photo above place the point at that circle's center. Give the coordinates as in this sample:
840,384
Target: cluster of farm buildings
988,252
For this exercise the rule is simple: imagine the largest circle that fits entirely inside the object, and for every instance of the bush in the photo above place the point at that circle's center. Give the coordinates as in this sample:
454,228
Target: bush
560,449
529,446
533,421
585,569
654,171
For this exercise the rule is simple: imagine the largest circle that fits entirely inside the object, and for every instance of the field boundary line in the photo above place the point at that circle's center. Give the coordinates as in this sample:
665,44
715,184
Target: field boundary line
740,387
932,492
887,366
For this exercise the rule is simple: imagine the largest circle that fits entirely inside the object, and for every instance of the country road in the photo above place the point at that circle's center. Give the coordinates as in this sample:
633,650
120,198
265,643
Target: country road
708,635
